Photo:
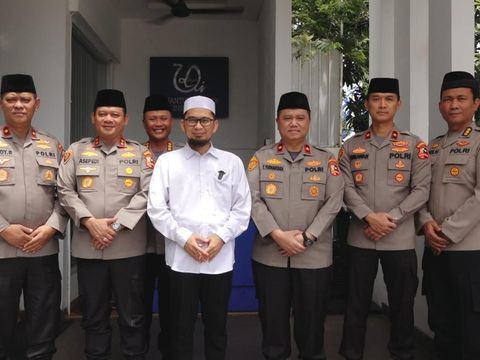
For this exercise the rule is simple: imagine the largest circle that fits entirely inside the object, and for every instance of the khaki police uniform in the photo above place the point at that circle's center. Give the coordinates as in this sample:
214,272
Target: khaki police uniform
156,276
109,182
303,194
451,280
28,178
392,177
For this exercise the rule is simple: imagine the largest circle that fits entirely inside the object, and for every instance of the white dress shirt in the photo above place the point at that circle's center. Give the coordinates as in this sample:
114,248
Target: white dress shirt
203,194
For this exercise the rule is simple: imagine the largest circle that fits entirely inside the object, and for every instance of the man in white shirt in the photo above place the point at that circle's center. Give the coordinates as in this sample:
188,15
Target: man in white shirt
200,201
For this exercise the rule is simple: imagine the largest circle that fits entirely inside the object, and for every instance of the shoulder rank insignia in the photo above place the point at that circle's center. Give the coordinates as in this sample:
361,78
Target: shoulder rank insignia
67,155
313,163
252,163
274,161
467,131
6,131
148,159
359,150
169,145
333,167
422,150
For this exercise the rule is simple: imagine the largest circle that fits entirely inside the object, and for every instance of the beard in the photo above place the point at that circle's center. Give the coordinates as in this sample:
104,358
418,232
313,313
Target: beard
196,144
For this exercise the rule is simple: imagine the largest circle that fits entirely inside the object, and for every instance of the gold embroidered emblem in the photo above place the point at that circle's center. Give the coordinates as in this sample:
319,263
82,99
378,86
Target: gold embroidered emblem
314,191
87,182
333,167
43,142
128,155
148,159
87,169
315,178
129,171
400,164
3,144
313,163
89,153
463,143
467,131
271,189
48,161
357,164
48,175
454,171
253,163
274,162
271,176
128,183
400,143
436,145
43,146
3,161
400,149
3,175
359,150
399,177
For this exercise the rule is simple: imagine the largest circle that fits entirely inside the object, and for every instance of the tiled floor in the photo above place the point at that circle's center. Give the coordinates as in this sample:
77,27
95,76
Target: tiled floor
245,337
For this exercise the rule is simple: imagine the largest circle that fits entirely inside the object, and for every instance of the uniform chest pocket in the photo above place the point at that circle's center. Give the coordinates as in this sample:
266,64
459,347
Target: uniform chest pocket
128,179
87,178
455,169
398,173
47,171
7,171
313,186
272,184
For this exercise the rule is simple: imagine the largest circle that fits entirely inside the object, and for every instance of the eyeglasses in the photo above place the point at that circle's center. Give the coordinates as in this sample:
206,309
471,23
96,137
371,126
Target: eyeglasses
193,121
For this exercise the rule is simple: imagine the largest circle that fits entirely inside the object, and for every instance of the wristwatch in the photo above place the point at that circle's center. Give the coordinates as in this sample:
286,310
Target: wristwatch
307,242
116,226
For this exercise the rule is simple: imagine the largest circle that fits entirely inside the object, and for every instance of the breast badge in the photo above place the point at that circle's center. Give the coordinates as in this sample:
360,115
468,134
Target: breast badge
253,163
358,178
454,171
3,175
89,153
359,150
399,177
129,171
271,176
274,161
314,191
313,163
128,183
4,161
399,164
315,178
357,164
87,169
271,189
462,143
3,144
87,182
129,155
49,176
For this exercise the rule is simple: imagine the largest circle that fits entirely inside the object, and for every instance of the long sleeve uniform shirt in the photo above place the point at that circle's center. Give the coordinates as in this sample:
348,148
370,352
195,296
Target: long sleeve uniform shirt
203,194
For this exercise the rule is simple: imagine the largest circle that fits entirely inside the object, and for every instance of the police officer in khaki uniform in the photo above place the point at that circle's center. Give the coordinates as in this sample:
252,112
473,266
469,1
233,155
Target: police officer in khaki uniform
103,184
387,179
296,191
30,217
451,224
158,122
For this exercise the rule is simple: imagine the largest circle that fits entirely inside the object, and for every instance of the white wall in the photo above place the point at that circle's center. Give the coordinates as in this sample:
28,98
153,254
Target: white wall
236,40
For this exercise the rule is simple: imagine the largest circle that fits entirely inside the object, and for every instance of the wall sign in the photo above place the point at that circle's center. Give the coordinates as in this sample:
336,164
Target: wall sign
178,78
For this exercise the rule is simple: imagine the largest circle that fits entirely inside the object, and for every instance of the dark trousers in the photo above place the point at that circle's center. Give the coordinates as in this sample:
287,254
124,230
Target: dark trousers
156,277
213,293
400,275
39,279
306,291
451,282
97,280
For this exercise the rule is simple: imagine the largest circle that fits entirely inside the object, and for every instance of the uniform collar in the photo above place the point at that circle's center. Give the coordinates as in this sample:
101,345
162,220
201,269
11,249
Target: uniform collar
392,137
189,152
464,135
169,147
280,149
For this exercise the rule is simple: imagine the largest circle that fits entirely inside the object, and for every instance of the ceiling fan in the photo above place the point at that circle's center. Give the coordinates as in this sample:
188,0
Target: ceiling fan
178,8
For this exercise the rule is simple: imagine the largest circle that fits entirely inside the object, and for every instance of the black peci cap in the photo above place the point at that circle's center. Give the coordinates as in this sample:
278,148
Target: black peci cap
293,100
384,85
460,79
17,83
110,97
156,102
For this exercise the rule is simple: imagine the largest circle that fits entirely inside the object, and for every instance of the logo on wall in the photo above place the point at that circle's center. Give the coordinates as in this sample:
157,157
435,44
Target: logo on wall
178,78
